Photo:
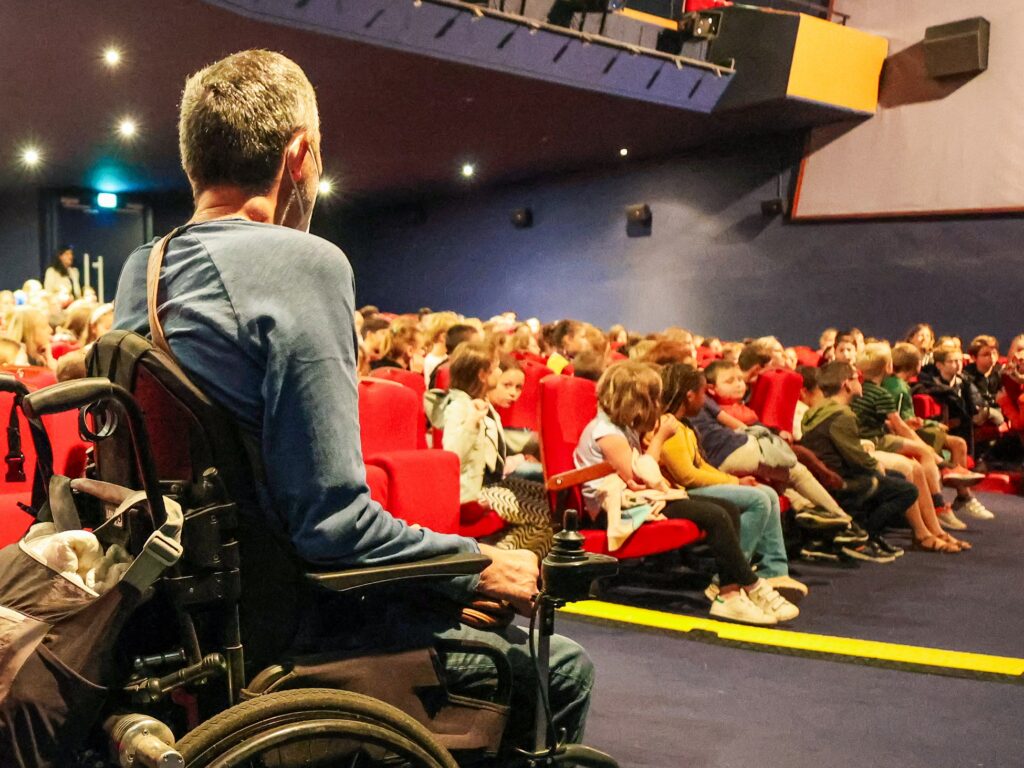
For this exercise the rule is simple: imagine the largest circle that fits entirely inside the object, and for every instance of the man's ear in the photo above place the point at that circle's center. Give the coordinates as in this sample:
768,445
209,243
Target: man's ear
295,154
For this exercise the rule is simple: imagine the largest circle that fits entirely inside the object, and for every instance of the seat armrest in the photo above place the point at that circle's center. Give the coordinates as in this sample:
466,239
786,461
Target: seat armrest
564,480
440,567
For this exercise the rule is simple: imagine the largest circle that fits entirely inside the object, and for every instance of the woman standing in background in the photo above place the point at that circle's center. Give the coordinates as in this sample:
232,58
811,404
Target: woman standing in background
62,276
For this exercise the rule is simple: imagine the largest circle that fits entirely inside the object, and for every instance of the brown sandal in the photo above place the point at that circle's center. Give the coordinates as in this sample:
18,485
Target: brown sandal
960,544
932,543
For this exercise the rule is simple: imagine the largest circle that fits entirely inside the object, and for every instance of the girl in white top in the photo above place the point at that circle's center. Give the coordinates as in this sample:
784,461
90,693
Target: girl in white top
473,431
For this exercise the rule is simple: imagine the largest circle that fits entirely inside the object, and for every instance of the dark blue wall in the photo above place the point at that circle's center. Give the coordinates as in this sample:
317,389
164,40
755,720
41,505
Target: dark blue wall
19,238
712,263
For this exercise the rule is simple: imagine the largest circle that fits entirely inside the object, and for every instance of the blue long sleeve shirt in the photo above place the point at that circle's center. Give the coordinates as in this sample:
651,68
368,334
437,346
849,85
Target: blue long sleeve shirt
260,317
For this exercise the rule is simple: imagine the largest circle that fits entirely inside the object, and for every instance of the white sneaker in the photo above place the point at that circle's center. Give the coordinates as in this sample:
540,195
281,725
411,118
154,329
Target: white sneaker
772,602
950,521
737,606
975,509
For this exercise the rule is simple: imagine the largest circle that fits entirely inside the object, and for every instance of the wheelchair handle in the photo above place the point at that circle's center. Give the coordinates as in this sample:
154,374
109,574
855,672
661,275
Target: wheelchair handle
66,396
78,393
10,384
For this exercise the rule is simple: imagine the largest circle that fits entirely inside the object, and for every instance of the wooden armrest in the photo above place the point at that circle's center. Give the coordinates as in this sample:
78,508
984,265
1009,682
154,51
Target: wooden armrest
441,567
564,480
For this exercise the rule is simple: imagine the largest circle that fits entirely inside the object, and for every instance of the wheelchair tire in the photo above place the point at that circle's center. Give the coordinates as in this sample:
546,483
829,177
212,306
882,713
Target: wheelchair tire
281,729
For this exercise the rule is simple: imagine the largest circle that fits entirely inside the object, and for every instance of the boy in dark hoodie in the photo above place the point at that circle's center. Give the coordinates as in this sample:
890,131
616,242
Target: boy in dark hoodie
830,430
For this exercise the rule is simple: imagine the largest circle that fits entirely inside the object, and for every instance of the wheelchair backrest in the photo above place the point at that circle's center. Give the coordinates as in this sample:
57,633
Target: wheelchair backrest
190,434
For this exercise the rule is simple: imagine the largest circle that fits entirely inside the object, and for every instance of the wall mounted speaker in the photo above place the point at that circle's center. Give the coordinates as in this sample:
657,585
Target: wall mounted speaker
639,214
522,218
773,207
958,48
638,220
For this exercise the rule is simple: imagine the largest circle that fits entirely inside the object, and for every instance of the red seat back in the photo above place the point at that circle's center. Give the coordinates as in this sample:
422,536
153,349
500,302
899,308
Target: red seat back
807,356
402,376
443,380
774,397
925,407
416,383
567,405
705,356
389,417
68,451
524,412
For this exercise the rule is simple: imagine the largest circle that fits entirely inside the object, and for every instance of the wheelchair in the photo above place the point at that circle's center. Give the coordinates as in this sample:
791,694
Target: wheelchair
213,651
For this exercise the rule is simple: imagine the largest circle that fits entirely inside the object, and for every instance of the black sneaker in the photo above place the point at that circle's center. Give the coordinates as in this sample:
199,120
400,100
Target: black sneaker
870,552
853,534
821,518
886,547
819,550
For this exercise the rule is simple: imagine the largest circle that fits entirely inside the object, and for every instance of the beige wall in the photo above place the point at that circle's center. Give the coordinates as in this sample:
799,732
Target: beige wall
933,147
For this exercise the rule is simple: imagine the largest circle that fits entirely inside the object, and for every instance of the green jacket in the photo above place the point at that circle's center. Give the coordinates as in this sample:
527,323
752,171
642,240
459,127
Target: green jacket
900,391
830,431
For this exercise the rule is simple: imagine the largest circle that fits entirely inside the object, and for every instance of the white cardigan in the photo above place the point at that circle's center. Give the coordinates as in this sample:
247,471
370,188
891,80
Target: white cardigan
479,447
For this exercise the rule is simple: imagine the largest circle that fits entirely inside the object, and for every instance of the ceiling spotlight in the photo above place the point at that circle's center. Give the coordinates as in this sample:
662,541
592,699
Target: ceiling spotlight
326,186
623,152
127,128
111,57
31,157
468,170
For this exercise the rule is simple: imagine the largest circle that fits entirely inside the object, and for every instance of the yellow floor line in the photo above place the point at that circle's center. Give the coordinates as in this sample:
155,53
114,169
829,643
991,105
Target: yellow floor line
801,641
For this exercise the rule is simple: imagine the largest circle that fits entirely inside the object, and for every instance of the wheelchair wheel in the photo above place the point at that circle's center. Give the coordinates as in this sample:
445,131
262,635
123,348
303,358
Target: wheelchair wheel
313,728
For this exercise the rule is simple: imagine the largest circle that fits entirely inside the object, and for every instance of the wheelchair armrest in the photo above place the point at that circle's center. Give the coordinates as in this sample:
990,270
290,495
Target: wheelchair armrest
441,567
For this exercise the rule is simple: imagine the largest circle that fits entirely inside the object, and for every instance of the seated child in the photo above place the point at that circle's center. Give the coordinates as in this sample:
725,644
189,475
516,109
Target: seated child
521,443
683,395
735,451
473,431
629,405
880,421
830,430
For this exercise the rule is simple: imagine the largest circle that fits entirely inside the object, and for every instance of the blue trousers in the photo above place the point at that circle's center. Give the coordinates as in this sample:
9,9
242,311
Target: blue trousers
760,524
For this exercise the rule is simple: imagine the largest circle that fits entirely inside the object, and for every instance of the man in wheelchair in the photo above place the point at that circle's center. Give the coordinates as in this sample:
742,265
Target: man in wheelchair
259,315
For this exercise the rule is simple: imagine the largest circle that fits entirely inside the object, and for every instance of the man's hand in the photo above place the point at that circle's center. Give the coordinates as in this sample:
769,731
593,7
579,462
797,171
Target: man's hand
749,481
513,575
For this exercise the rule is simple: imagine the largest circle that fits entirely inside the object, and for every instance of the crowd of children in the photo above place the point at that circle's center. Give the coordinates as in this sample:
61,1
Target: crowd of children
675,425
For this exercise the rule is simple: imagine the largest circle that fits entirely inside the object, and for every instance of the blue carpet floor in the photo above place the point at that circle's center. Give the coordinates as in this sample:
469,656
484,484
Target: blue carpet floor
663,701
973,601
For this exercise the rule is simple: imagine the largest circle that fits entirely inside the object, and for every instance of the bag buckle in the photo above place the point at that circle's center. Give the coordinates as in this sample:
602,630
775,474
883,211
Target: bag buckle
15,468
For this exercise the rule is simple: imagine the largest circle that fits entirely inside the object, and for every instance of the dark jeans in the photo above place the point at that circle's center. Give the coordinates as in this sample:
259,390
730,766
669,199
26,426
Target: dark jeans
720,520
877,501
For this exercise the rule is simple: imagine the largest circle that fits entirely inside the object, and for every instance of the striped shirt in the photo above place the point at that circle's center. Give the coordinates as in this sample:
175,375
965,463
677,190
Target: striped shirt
872,409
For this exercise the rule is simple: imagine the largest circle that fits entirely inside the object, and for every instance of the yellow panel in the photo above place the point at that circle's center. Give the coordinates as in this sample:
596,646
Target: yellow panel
648,18
836,65
802,641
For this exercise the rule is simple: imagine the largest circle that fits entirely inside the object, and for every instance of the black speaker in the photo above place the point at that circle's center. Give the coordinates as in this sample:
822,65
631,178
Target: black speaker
639,214
772,207
522,218
958,48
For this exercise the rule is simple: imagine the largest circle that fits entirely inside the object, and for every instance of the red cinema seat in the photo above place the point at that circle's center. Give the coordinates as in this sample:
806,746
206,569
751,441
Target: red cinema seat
422,486
774,396
567,405
377,481
413,381
443,380
522,414
705,356
926,407
388,417
68,451
807,356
